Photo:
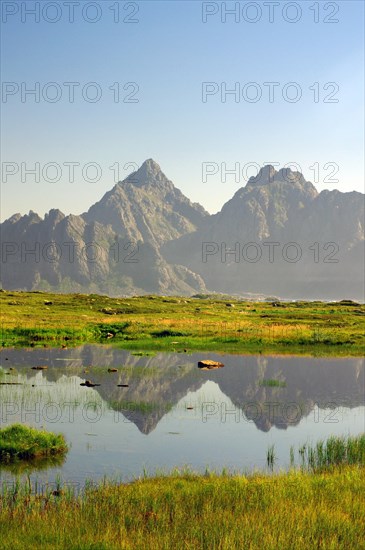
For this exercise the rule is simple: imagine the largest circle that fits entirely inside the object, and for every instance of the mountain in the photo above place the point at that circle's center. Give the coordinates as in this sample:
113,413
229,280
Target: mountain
276,236
59,257
113,248
147,207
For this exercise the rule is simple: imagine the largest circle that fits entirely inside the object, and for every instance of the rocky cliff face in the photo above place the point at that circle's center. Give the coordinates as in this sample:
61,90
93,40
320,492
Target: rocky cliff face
277,235
147,207
113,248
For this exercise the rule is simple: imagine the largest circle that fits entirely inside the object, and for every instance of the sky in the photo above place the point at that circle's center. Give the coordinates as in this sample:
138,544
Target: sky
150,80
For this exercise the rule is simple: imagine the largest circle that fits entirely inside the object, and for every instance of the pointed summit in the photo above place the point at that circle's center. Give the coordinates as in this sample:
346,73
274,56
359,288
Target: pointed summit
149,173
151,165
147,207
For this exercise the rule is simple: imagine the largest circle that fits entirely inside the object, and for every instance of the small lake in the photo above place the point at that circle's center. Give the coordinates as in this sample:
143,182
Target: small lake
169,413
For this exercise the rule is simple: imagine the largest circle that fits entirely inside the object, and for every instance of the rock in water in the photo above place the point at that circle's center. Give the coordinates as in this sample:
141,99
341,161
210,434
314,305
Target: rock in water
208,364
89,384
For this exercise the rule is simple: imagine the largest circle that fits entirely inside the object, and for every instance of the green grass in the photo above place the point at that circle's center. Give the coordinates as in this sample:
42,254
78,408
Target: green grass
271,457
290,511
155,323
19,442
144,407
322,503
272,383
334,451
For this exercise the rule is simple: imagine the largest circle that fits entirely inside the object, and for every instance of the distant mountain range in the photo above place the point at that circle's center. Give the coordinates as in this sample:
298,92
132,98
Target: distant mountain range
276,236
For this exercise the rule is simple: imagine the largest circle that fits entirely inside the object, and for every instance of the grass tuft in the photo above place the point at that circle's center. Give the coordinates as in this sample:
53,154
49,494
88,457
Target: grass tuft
19,442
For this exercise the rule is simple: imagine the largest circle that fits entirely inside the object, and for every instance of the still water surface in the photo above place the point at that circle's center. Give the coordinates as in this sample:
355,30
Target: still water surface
172,414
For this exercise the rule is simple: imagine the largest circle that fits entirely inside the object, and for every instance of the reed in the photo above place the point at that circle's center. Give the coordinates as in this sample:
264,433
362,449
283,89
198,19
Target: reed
334,451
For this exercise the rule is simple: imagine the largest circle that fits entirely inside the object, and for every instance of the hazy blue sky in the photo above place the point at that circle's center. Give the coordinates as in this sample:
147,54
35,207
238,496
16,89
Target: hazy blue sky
169,53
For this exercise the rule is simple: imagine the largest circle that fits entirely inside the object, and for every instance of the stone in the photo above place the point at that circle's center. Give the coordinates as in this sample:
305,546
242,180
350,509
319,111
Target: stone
208,364
89,384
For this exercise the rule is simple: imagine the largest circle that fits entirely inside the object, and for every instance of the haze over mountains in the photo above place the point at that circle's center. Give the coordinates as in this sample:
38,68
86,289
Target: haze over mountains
276,236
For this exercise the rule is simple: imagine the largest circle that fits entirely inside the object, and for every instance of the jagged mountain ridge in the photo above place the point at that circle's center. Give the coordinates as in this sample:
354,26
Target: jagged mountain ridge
149,220
126,226
281,214
146,206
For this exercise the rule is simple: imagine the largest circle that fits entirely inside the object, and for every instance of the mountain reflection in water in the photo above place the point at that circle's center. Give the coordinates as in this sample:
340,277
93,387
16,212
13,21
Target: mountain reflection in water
167,393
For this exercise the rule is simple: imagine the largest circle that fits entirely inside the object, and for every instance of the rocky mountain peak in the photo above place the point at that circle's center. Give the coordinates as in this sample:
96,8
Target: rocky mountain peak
149,173
14,218
147,207
33,217
151,166
54,216
264,177
284,182
268,175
